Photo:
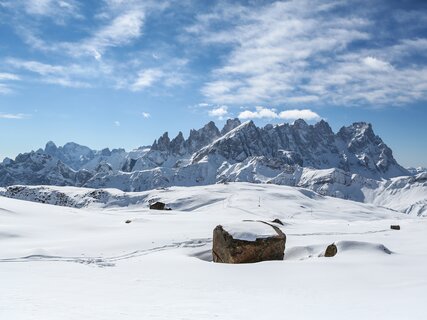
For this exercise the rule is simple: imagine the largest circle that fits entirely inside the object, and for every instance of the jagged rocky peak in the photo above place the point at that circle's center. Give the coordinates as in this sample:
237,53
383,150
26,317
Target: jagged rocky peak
177,145
72,154
323,127
76,149
369,149
162,144
360,131
300,124
106,152
354,149
359,136
196,140
202,137
104,167
7,161
230,125
50,148
209,131
245,126
237,145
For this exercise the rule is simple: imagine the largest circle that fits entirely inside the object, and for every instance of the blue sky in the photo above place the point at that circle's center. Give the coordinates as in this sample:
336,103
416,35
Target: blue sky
117,73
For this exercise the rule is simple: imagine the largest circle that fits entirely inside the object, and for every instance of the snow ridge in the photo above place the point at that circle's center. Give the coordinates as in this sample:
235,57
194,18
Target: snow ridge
351,164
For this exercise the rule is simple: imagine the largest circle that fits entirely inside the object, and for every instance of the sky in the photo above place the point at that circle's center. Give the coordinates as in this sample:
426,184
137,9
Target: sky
116,73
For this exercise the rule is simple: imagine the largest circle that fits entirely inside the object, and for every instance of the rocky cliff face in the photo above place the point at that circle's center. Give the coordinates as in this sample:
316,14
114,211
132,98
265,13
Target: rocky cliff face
351,164
354,149
238,152
40,168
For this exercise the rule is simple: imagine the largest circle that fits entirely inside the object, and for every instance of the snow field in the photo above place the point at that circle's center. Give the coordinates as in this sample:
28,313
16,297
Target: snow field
68,263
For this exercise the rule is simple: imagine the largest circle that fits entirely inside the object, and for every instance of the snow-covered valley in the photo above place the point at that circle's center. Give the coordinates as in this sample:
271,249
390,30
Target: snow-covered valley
82,259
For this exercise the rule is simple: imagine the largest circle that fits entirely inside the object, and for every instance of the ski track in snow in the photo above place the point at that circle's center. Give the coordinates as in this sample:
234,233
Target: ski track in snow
109,261
67,263
195,243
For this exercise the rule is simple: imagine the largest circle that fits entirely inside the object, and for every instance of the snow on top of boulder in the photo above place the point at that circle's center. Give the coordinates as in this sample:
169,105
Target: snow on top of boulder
250,230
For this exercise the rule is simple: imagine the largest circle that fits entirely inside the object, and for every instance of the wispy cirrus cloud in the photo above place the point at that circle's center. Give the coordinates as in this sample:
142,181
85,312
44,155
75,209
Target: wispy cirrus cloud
15,116
58,11
122,30
5,79
319,52
146,78
117,24
169,74
73,75
8,76
5,89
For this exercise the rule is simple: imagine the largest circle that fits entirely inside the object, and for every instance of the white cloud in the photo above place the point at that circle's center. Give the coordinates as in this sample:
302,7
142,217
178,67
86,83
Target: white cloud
295,52
37,67
4,89
64,75
168,74
266,113
376,64
146,115
146,78
121,31
259,113
203,105
219,112
294,114
8,76
64,82
16,116
115,23
59,11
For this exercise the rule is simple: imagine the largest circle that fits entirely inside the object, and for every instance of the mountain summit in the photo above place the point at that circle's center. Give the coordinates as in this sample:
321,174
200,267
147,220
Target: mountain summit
353,163
209,155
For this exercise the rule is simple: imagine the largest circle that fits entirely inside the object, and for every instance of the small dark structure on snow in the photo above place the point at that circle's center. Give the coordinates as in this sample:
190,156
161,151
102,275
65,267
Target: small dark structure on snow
395,227
331,250
159,206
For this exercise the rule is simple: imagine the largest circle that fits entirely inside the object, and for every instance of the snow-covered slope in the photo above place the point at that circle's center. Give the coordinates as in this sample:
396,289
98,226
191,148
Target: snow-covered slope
403,194
352,164
407,194
354,149
415,171
69,263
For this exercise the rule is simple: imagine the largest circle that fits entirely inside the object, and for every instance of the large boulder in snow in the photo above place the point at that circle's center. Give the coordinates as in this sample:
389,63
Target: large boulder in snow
248,242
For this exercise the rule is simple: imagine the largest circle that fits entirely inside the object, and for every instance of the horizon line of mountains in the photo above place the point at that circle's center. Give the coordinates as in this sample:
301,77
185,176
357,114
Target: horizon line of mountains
209,155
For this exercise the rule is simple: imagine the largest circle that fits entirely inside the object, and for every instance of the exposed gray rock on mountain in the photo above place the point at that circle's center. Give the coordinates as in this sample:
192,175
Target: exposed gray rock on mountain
354,149
352,164
299,154
37,168
230,125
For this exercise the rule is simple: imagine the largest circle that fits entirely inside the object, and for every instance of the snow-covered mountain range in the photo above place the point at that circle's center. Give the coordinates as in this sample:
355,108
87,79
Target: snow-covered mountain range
352,164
